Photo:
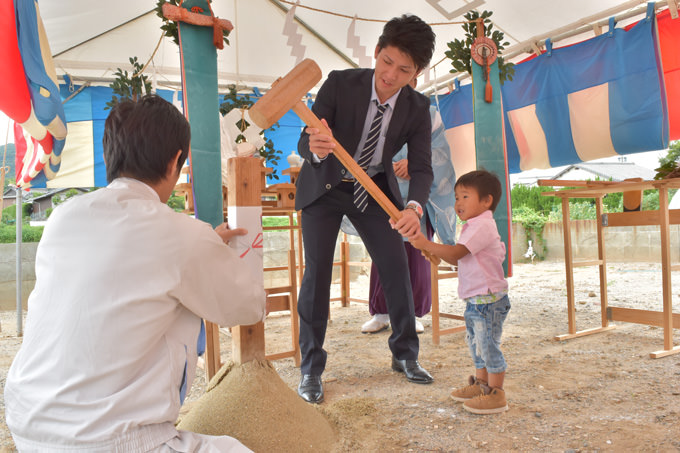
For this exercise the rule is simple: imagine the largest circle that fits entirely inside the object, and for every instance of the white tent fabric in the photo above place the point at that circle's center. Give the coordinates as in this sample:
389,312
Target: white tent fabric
90,40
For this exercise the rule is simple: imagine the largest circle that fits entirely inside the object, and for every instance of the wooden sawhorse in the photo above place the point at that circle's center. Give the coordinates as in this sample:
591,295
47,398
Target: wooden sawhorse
663,217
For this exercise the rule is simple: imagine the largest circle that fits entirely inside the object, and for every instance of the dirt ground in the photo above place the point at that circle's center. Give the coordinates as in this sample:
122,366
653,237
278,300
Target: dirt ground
599,392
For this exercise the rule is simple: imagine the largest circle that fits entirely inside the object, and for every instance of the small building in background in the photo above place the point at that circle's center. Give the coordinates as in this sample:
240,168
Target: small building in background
42,203
586,171
9,197
604,171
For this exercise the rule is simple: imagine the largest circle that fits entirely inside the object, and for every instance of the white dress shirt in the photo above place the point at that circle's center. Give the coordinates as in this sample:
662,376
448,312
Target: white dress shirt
122,282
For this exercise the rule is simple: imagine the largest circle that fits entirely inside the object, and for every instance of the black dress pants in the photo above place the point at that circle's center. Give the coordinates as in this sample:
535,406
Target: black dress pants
320,226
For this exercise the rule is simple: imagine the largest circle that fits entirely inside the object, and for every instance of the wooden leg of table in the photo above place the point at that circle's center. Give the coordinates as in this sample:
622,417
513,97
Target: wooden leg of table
583,333
603,264
665,352
300,260
344,272
294,321
569,267
434,284
666,270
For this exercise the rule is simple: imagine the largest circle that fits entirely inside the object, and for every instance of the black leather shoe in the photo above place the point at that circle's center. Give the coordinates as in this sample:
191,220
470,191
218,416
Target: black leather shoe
310,388
413,371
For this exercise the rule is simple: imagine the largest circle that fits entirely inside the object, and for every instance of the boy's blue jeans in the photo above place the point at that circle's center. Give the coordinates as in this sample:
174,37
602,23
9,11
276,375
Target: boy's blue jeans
484,323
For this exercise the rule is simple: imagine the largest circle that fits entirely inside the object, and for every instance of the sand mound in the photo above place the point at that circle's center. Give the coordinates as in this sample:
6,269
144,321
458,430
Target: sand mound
251,403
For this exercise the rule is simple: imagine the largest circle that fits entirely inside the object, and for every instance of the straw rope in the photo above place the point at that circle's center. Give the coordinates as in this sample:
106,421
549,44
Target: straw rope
363,18
160,40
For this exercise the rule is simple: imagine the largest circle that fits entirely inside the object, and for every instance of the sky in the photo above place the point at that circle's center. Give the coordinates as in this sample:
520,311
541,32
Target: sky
649,159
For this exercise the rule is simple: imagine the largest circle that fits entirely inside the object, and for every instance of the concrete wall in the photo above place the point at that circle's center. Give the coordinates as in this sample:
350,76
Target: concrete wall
622,244
627,244
8,272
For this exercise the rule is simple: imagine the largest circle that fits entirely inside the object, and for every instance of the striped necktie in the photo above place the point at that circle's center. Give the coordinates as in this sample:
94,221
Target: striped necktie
360,194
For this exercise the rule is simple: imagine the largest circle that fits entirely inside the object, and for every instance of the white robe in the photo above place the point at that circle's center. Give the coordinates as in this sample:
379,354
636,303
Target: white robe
122,282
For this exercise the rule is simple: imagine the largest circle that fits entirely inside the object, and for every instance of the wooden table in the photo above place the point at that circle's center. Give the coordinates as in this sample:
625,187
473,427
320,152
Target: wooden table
663,217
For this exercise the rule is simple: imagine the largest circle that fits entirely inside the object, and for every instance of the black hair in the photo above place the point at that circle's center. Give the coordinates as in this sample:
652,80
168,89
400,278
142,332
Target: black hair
412,36
141,138
485,183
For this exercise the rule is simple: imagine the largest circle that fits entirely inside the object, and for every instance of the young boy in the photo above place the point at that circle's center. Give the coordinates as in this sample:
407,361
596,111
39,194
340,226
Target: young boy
479,255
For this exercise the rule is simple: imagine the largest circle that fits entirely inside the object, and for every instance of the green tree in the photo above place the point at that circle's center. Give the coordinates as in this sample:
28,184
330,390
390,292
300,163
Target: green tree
62,197
533,223
532,198
7,153
129,86
668,164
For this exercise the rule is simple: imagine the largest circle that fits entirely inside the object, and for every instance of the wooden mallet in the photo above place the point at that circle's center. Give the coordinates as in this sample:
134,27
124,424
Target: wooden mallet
285,94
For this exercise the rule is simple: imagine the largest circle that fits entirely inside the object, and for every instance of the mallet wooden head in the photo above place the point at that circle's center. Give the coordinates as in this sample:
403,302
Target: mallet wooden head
285,93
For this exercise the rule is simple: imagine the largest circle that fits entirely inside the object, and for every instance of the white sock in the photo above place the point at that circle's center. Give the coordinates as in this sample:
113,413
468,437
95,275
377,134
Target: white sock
381,317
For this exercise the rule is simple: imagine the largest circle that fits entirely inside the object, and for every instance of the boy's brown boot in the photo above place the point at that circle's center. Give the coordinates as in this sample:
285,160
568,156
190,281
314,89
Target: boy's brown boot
468,392
491,402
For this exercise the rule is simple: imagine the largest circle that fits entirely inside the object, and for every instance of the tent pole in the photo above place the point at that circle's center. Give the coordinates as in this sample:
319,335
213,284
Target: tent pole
19,220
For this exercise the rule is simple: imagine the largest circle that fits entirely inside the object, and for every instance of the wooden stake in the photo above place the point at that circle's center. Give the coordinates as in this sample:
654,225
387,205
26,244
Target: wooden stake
244,190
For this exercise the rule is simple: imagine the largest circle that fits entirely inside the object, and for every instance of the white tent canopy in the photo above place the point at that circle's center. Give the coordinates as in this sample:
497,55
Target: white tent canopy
90,40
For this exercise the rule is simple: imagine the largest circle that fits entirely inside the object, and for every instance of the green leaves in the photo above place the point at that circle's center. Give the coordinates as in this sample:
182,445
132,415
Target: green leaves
668,165
459,51
126,86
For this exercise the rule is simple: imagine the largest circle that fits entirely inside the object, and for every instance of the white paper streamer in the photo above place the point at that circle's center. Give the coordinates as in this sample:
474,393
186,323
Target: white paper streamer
294,38
229,125
229,131
354,43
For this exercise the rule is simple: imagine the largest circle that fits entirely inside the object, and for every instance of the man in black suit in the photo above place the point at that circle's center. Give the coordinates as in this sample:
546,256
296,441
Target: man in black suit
372,113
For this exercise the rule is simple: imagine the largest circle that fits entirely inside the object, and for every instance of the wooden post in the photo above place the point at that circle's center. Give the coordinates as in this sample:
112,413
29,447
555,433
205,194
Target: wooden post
294,322
603,262
300,250
344,271
569,265
244,191
434,286
666,270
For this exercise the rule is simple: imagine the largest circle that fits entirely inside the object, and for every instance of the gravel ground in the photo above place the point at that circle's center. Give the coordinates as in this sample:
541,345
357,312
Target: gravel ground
599,392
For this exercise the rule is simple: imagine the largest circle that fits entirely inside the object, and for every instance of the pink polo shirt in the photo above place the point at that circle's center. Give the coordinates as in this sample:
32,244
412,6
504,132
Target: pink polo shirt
481,271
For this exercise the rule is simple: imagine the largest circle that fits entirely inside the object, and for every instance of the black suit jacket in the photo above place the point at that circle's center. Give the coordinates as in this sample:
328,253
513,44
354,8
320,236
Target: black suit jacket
343,102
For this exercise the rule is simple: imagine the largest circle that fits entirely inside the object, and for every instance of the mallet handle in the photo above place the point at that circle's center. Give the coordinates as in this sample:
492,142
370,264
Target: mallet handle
311,120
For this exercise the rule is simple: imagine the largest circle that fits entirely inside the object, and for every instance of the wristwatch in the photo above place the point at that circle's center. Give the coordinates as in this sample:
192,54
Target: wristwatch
416,208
